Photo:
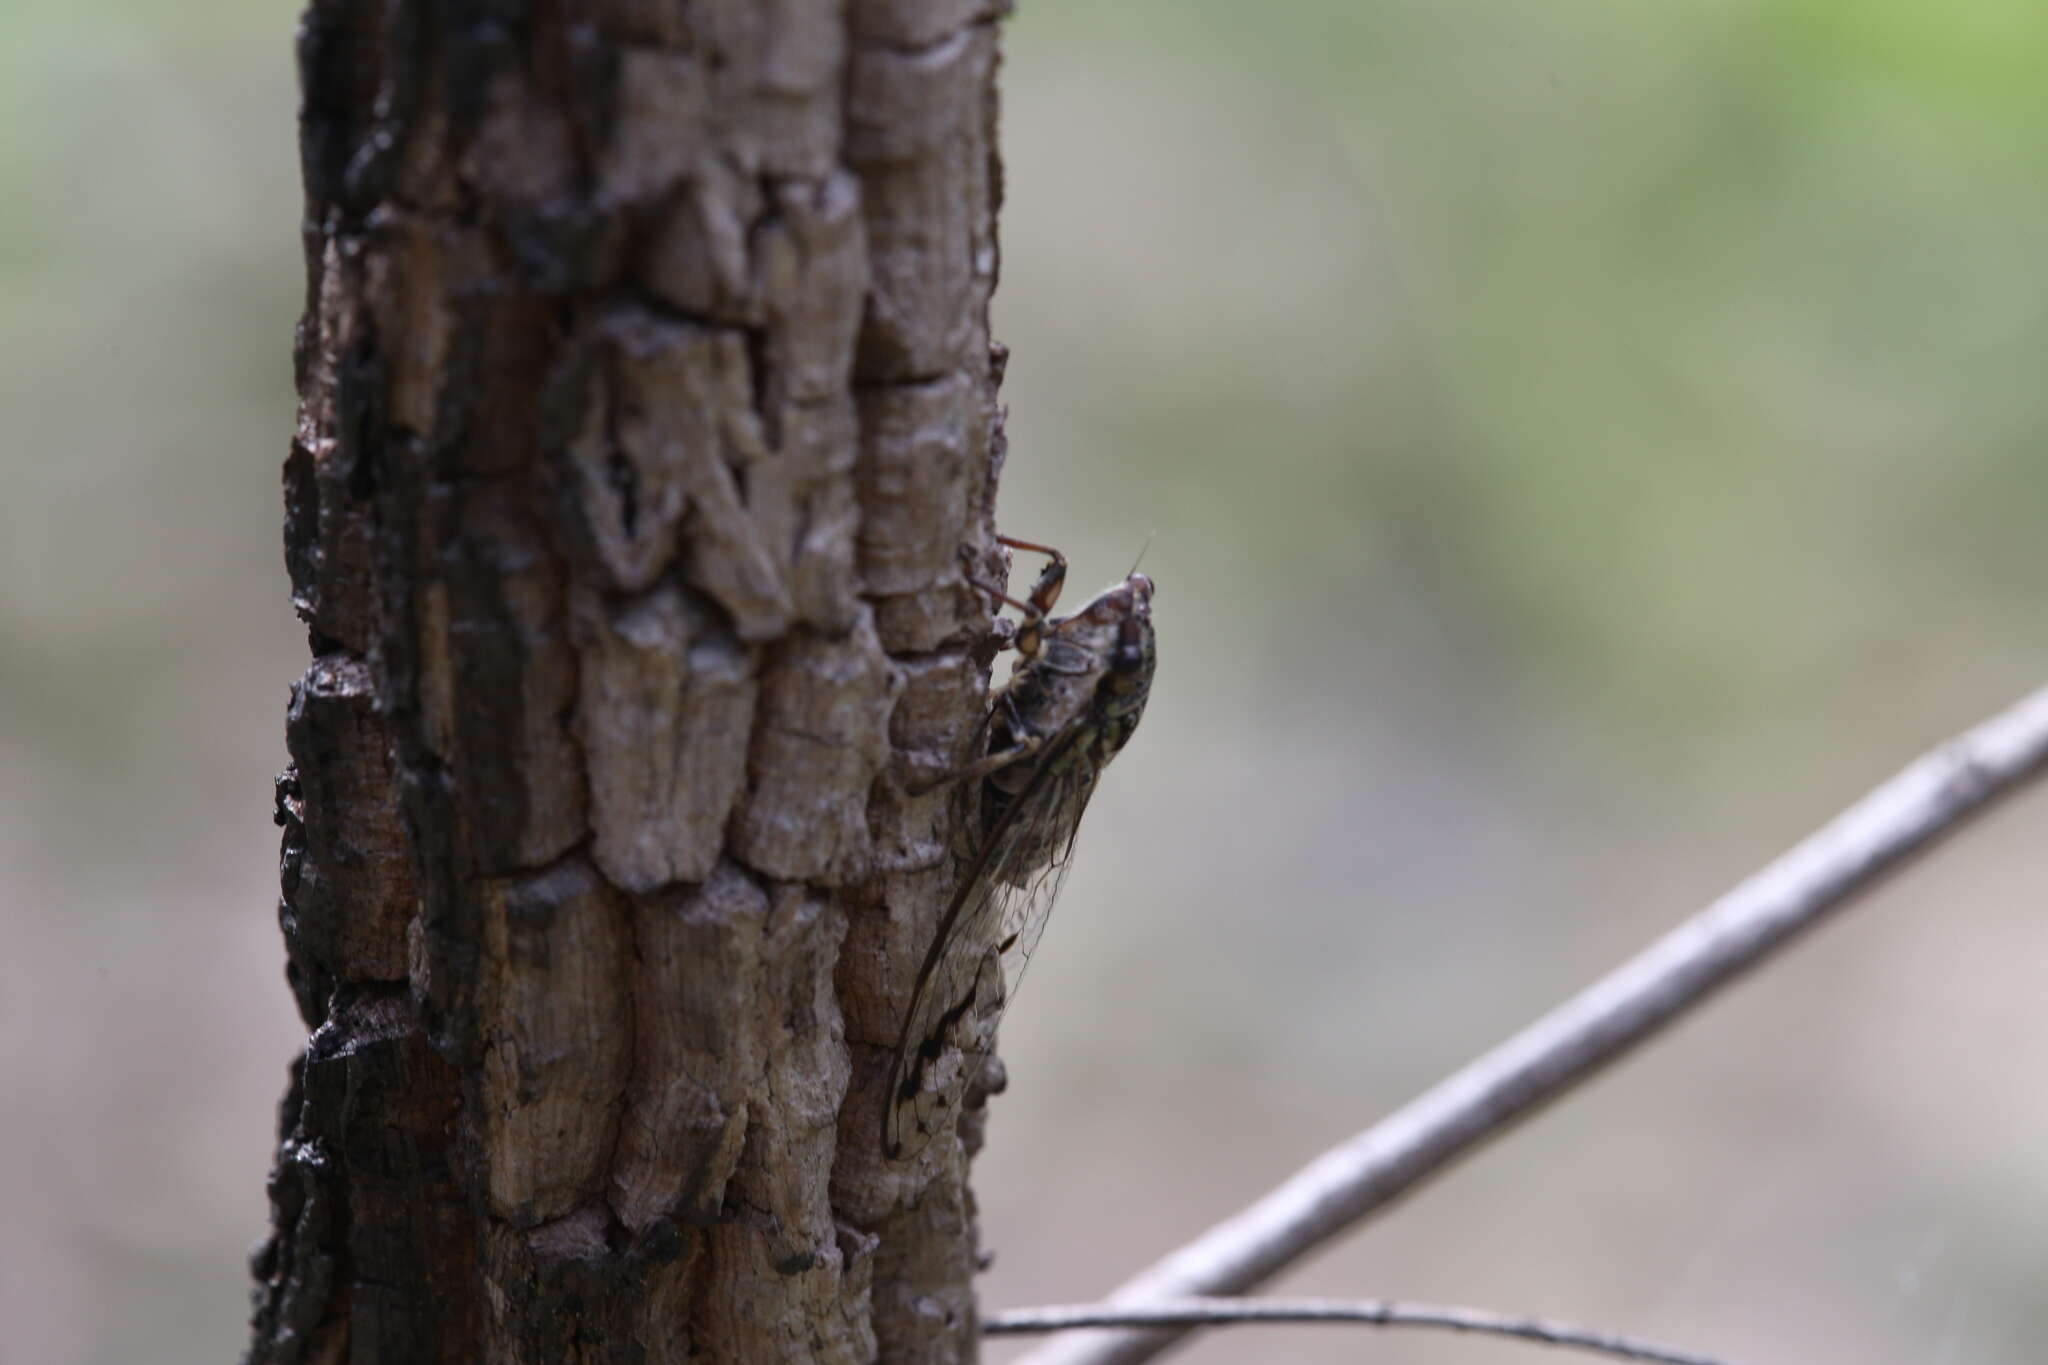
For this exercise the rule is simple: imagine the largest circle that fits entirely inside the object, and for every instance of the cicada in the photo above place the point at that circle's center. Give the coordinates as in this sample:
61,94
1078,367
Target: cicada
1069,706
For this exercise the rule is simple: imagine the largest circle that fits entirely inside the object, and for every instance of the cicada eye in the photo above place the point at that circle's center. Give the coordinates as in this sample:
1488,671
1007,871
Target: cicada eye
1130,647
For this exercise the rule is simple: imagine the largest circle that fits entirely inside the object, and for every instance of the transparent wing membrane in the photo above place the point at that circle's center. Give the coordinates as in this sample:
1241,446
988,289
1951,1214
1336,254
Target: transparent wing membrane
984,944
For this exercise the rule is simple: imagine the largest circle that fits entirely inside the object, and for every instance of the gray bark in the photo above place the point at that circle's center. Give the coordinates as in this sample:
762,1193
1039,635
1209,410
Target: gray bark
647,407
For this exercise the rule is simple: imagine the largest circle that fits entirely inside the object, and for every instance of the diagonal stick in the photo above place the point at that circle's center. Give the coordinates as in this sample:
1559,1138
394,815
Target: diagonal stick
1907,815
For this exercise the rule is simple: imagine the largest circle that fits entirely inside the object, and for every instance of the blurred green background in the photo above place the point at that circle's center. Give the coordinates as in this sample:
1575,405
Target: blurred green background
1583,445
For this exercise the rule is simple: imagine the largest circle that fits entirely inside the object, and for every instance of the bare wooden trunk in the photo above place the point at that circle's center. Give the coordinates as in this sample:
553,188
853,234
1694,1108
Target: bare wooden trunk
647,408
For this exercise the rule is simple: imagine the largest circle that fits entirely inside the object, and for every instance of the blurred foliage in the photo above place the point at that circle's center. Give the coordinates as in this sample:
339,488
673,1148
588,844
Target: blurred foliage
1678,358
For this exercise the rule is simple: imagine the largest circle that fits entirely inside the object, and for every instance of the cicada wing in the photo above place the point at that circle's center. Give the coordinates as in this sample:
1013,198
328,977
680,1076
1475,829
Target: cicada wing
949,1033
984,943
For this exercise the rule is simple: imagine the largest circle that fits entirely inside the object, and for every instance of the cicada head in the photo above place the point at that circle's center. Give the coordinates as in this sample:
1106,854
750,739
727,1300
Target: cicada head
1127,682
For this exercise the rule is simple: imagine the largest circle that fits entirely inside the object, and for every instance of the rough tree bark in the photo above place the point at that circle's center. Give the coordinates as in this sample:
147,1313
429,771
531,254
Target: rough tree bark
647,404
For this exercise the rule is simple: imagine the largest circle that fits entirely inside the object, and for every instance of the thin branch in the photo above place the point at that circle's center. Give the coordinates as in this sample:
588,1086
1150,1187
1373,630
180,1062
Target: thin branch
1376,1312
1904,817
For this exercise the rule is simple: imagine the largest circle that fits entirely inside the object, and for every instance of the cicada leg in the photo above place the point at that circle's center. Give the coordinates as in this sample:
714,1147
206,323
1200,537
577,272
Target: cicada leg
1038,605
987,763
1029,637
1051,578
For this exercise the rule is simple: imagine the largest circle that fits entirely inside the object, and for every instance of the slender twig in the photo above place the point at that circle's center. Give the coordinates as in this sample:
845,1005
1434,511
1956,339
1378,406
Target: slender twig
1905,816
1376,1312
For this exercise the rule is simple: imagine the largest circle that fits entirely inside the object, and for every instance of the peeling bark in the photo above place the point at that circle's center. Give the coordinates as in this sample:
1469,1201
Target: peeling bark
647,406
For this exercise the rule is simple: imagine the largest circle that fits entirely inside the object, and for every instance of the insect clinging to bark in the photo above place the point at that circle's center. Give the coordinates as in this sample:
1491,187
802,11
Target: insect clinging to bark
1071,704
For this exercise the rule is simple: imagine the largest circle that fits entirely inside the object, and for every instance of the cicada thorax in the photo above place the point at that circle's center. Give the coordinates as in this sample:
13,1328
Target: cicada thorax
1049,700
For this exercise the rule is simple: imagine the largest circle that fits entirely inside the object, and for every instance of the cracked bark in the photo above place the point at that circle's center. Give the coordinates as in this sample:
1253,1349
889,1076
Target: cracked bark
646,404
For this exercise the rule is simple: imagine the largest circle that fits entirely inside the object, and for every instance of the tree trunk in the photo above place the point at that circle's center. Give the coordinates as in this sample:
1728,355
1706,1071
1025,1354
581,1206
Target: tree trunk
647,409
